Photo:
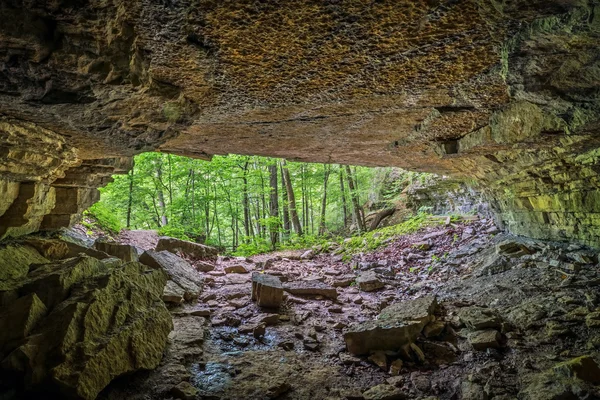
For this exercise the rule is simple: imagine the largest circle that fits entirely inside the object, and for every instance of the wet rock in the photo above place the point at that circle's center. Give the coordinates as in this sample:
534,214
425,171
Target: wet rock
396,326
482,340
267,290
310,288
178,270
368,281
235,269
380,359
124,252
287,345
480,318
184,391
384,392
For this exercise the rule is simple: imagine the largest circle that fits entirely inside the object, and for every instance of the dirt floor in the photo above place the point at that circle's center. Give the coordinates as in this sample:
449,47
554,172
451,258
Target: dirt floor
511,313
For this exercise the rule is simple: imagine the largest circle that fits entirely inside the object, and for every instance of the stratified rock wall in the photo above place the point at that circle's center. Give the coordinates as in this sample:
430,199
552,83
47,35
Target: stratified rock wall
505,94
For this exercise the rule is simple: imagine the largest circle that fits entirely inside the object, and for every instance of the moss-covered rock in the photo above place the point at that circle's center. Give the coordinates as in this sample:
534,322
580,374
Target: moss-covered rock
104,319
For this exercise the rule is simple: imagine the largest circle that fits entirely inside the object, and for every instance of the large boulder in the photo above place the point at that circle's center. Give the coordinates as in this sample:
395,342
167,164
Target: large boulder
191,250
396,326
267,290
82,322
178,270
15,261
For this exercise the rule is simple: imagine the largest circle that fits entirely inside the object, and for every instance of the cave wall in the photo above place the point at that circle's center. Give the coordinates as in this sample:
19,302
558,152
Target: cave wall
503,96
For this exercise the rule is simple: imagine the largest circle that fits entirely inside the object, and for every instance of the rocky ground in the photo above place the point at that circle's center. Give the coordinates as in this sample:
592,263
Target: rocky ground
497,317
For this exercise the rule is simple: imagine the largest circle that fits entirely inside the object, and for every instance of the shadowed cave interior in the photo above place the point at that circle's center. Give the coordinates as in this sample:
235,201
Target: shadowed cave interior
300,199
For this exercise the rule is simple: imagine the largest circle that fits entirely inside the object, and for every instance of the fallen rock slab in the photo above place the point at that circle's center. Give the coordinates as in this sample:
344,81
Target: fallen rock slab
368,281
267,290
124,252
397,325
194,251
478,318
178,270
311,288
235,269
482,340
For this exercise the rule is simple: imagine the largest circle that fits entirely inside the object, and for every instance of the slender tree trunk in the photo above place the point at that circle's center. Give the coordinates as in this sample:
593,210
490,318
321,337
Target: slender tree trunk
284,202
273,205
322,227
246,202
130,202
356,206
217,222
291,200
160,194
343,192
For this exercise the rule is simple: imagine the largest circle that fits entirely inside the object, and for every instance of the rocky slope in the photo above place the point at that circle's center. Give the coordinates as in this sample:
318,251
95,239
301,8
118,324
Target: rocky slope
504,94
451,312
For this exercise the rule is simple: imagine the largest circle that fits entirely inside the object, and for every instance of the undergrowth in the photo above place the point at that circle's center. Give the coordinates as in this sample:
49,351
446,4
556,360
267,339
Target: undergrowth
372,240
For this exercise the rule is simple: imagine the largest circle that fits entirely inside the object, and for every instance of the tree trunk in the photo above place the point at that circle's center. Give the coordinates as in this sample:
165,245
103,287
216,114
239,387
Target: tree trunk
343,193
291,200
326,170
273,205
356,206
380,216
160,194
130,202
246,203
284,202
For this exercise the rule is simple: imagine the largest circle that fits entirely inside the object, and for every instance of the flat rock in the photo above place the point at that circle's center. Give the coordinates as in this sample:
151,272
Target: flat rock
343,281
235,269
184,391
397,325
311,288
194,251
384,392
267,290
178,270
368,281
482,340
480,318
124,252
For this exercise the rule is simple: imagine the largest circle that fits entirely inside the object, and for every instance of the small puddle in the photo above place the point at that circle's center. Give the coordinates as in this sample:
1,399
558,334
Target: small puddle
211,378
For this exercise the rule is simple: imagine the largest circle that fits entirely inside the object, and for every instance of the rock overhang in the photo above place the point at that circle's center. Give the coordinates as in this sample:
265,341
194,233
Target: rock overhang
502,94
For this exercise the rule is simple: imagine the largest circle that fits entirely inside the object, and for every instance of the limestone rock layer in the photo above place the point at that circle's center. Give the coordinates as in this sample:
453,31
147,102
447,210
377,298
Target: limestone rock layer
500,94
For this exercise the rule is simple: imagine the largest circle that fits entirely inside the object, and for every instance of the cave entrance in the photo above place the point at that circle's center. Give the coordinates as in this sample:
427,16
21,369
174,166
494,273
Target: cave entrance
249,204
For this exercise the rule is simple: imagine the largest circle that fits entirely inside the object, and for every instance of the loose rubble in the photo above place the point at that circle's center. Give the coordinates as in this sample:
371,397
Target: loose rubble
476,315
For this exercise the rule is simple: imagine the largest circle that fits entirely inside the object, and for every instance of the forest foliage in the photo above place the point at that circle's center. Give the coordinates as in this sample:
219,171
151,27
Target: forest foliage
247,204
